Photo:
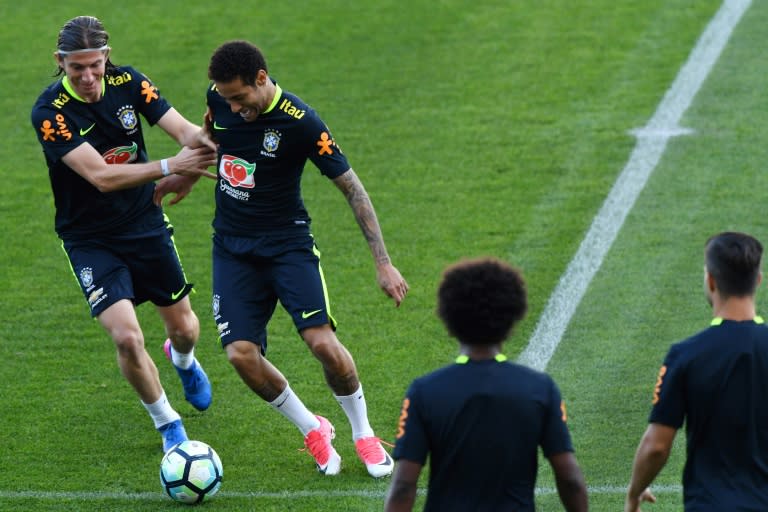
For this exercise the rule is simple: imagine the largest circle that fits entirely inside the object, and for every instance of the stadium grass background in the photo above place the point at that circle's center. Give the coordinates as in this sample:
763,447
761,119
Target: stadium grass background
479,128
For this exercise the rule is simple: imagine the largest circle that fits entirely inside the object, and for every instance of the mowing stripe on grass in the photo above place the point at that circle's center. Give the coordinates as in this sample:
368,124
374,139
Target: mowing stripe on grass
348,493
651,142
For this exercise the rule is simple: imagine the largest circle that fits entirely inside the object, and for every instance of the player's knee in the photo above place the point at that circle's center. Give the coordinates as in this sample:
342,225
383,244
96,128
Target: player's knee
243,354
320,339
185,327
128,340
330,352
324,351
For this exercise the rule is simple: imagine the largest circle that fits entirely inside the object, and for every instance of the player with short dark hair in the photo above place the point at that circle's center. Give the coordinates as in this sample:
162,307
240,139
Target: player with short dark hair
481,420
264,251
716,382
119,243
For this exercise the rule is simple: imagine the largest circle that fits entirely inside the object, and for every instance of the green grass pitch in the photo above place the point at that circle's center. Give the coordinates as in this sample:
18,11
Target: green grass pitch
479,128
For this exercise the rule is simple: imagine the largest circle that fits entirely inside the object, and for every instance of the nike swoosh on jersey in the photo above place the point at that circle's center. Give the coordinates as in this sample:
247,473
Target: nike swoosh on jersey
83,132
307,314
217,127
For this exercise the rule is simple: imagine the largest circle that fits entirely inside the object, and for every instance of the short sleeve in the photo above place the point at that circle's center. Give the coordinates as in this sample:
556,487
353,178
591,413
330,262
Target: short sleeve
555,438
323,150
668,394
56,133
151,103
411,442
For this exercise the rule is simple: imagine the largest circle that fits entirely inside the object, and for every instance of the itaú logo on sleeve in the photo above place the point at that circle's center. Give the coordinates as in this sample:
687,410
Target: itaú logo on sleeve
238,172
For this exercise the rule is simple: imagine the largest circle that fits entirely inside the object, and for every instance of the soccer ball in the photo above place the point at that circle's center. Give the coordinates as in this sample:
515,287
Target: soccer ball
191,472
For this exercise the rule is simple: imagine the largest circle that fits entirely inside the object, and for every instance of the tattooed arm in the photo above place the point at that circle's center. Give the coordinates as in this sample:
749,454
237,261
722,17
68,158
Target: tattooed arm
388,276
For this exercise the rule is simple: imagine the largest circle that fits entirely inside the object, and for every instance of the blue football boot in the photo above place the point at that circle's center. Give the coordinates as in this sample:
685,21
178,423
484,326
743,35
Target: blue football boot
173,433
197,387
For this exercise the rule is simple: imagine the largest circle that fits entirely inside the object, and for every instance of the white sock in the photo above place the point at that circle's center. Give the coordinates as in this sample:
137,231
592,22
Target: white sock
183,361
291,406
161,411
357,412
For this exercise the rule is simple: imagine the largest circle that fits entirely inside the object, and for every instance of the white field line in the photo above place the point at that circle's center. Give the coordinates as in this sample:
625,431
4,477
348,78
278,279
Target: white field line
349,493
651,142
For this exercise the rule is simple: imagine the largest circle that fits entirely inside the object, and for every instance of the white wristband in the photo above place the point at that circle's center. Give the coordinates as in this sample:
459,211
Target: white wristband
164,167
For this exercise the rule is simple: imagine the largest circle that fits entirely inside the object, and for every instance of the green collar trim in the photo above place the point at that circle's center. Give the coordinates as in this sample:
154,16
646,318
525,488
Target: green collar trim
719,320
278,93
68,87
464,359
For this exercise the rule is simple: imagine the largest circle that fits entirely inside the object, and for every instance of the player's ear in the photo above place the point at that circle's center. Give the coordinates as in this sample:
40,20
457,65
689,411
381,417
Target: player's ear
710,281
261,77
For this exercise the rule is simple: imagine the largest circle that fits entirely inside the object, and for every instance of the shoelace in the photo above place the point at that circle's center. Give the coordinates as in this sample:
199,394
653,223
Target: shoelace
370,449
317,447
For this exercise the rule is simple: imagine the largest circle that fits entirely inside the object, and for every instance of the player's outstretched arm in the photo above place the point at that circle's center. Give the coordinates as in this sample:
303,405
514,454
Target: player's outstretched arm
185,132
570,482
89,164
387,275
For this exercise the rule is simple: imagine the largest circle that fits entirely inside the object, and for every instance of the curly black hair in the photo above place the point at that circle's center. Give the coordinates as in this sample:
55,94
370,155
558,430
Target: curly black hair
236,59
481,300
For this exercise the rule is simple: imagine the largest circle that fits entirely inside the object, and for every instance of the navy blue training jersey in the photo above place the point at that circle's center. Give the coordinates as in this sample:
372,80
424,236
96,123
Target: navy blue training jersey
63,121
717,382
481,424
261,162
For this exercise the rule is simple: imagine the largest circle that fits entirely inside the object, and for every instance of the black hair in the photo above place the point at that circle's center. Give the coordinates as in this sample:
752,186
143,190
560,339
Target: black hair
480,300
236,59
733,260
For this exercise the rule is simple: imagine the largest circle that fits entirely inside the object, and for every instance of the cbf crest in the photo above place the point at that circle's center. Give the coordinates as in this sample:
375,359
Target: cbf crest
271,140
127,117
86,276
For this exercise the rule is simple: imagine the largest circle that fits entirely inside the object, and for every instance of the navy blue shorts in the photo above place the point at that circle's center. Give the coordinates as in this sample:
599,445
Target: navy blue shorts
139,269
251,274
